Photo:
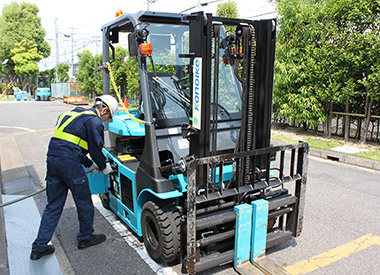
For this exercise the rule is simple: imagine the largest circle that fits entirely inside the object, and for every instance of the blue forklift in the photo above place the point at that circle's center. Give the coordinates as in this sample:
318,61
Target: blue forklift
193,165
42,89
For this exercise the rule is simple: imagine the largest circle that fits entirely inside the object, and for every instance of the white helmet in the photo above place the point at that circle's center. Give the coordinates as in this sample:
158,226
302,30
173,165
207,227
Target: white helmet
111,103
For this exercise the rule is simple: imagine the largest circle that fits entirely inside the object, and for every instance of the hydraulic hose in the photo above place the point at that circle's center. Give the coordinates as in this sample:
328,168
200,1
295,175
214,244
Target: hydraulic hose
23,198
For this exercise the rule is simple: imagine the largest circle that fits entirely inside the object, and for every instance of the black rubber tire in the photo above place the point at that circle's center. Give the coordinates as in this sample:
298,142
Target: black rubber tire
105,199
161,231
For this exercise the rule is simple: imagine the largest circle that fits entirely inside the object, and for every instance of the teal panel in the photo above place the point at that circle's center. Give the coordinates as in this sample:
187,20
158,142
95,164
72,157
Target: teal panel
242,233
123,125
98,182
259,228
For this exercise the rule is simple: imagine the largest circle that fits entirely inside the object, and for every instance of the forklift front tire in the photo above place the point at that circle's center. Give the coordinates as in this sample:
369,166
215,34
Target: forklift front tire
161,231
105,199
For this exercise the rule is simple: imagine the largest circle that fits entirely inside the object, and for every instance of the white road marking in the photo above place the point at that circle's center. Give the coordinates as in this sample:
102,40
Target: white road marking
132,241
16,127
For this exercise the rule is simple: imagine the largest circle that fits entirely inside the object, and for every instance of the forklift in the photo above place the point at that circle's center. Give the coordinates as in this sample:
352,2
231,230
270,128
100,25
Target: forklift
195,174
42,88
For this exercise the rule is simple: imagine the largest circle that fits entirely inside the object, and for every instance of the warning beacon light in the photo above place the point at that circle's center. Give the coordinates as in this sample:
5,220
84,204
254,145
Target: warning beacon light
119,12
145,48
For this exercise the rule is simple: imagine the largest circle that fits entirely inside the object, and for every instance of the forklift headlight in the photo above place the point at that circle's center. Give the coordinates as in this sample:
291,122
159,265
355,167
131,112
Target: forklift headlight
145,48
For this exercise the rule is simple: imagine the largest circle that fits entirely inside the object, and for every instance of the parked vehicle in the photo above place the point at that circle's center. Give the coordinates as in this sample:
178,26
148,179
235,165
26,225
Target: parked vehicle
42,88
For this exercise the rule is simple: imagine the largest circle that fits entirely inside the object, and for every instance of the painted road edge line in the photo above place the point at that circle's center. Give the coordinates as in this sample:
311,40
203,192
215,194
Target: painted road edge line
132,241
333,255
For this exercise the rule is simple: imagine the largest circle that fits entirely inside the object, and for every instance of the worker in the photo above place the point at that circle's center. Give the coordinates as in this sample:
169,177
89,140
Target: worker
78,132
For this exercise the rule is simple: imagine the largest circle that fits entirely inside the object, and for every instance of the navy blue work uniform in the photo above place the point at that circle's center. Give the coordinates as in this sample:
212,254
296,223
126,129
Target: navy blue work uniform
77,133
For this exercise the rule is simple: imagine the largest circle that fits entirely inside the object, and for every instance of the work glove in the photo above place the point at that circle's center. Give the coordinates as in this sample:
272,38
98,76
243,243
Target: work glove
108,169
94,168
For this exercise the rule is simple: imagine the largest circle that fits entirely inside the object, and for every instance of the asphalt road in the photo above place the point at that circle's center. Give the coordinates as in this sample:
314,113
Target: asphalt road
342,206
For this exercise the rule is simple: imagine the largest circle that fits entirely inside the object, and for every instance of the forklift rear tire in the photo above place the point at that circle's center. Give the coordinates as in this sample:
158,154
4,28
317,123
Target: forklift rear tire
105,199
161,231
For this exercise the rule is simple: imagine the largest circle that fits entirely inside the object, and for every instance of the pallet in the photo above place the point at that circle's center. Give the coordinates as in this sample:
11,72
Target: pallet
76,100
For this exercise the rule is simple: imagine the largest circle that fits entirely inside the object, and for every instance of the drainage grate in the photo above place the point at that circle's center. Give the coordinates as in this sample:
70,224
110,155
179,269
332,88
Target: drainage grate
333,158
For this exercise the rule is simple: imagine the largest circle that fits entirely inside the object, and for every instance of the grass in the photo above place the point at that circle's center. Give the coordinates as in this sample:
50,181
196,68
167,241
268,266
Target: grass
323,144
373,155
7,97
316,142
283,138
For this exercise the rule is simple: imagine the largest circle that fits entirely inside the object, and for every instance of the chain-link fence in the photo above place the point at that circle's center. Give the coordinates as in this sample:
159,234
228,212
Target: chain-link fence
59,90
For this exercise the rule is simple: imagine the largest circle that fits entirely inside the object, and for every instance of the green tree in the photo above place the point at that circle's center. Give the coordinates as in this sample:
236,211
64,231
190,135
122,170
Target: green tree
358,33
90,80
133,74
119,69
25,57
63,73
228,9
294,95
326,52
20,22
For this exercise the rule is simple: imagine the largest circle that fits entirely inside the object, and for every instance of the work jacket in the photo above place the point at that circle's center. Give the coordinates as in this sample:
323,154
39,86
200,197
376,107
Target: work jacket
79,132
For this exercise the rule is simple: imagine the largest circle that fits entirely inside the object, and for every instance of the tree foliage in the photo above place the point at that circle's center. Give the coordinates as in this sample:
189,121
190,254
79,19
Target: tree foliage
327,50
227,9
21,22
25,57
89,79
21,30
63,73
125,73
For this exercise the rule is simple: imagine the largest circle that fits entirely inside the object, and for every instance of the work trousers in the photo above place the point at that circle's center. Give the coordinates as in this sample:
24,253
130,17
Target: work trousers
65,174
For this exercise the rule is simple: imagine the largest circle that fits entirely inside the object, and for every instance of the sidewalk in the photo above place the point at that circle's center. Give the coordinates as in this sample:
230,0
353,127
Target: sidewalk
325,154
15,247
114,256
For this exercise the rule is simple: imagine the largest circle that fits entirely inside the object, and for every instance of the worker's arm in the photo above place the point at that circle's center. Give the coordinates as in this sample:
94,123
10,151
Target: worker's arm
85,160
95,134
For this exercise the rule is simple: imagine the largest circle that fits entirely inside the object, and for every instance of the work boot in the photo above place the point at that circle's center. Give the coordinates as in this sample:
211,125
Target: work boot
97,239
35,255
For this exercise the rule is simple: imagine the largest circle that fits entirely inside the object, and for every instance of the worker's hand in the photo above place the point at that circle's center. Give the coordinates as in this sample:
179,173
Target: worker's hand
108,169
94,168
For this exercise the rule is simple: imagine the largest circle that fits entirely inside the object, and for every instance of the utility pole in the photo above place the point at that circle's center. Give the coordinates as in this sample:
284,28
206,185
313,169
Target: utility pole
56,50
149,2
72,53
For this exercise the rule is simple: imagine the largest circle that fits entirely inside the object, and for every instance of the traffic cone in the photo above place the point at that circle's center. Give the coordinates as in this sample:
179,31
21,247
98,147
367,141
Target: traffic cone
125,101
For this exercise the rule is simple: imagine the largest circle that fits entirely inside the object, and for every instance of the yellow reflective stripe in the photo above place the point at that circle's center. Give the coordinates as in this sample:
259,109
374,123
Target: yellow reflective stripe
72,115
59,133
71,138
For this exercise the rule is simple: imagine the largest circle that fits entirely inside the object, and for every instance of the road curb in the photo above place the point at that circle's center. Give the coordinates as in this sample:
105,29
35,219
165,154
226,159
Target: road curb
3,242
339,157
345,158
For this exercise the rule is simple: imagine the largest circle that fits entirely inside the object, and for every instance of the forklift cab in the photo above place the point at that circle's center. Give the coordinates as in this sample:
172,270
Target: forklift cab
165,96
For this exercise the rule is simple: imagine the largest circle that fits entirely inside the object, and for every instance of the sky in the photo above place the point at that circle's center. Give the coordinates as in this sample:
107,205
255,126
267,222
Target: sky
79,21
